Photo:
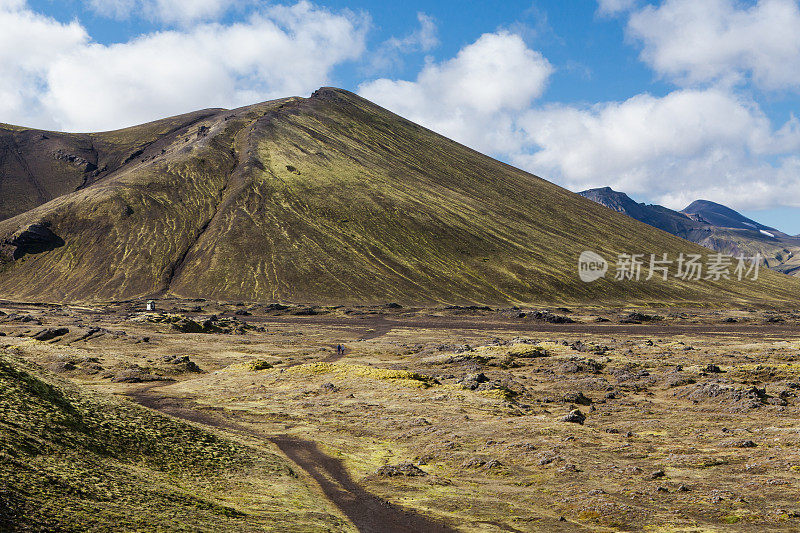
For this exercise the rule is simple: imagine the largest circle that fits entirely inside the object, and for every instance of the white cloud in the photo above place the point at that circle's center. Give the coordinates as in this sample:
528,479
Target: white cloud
689,144
10,5
473,96
423,39
169,11
613,7
53,76
29,43
722,41
119,9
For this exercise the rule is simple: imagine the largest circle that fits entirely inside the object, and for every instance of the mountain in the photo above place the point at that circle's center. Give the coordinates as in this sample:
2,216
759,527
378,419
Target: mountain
654,215
725,217
329,199
711,225
38,166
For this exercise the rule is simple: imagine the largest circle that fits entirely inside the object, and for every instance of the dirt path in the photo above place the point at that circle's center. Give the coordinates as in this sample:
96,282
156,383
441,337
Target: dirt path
370,333
368,512
332,358
379,326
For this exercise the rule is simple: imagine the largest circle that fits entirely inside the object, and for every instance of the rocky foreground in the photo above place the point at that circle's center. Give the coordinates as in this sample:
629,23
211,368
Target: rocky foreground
447,419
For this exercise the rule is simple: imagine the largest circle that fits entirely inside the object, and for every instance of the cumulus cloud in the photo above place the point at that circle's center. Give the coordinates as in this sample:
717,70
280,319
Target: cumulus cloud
686,145
721,41
672,149
423,39
29,43
613,7
170,11
54,76
473,96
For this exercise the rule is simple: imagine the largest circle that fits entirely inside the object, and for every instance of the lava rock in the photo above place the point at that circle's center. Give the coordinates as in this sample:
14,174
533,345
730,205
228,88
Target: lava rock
50,334
575,416
577,397
405,469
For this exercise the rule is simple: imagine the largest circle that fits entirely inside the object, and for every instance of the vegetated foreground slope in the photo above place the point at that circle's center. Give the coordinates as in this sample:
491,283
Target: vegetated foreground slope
332,199
72,460
711,225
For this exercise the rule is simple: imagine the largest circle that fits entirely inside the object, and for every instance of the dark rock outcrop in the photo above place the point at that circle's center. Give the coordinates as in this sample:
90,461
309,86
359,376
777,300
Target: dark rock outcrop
34,239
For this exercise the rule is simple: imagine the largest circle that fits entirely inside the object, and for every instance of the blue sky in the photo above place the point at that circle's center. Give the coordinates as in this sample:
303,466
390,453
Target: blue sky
667,100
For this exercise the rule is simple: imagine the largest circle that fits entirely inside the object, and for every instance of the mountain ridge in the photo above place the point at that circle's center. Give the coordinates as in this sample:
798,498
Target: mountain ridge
712,225
329,199
724,217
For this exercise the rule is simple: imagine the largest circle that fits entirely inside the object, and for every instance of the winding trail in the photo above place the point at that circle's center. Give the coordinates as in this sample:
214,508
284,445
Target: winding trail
368,512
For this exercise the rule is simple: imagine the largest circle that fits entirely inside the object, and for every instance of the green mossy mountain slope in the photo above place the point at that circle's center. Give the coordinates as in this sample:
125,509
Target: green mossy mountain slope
73,460
37,166
332,199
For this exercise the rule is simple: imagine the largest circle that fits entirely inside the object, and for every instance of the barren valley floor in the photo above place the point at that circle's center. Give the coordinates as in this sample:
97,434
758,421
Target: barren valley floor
447,419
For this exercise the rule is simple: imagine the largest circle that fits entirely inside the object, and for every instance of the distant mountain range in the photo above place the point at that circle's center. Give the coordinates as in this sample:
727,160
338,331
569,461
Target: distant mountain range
712,225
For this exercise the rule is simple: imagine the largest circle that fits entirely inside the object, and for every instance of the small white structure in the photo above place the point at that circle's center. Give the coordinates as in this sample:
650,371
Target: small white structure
151,305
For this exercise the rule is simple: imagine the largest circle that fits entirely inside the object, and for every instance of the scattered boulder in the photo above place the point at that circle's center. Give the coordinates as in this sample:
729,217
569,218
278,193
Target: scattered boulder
573,366
213,324
259,364
525,351
575,416
481,462
739,398
62,366
50,334
184,364
473,381
638,318
677,378
405,469
550,318
545,458
188,325
577,398
136,374
739,444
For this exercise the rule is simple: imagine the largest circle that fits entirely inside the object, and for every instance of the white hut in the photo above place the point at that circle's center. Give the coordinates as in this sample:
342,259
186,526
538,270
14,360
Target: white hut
151,305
